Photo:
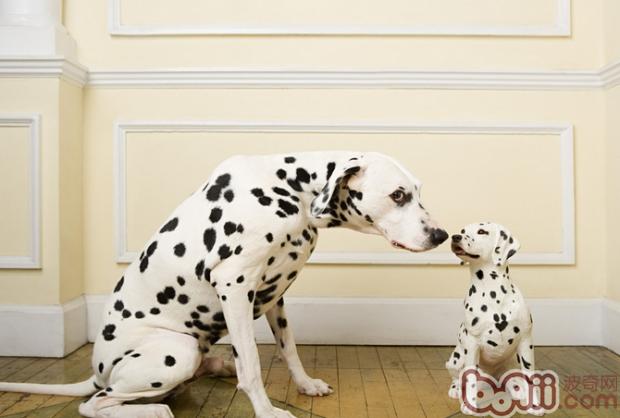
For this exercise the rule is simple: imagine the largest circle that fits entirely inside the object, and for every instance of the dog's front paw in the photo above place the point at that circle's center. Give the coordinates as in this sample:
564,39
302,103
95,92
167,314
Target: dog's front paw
275,413
454,391
314,387
465,410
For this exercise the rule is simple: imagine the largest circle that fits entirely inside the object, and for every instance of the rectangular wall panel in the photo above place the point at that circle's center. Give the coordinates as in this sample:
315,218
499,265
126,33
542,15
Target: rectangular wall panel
19,191
325,17
471,174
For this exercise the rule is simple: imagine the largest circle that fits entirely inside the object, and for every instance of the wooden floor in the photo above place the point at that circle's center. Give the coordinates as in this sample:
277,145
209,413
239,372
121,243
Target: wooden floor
368,382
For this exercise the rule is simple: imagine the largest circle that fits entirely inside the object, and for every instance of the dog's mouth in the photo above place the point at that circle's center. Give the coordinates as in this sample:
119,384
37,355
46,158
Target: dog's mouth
458,250
402,246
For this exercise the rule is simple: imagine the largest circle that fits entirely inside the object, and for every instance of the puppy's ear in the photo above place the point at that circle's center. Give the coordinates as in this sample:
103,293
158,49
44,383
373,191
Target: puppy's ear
337,177
506,245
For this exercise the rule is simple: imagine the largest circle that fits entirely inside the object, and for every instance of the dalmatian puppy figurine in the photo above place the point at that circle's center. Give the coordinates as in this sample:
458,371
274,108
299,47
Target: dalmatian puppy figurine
498,323
226,256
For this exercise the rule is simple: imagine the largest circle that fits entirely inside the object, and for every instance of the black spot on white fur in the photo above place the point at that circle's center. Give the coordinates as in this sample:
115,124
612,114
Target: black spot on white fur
170,226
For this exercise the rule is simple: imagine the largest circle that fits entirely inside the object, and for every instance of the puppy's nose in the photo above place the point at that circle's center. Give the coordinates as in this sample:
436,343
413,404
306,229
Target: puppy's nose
438,236
457,238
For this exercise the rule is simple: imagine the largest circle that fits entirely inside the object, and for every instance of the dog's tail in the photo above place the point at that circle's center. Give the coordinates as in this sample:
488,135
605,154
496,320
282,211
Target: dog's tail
85,388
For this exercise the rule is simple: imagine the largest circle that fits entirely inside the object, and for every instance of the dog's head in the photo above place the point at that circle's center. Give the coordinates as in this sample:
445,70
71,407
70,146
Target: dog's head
373,193
485,243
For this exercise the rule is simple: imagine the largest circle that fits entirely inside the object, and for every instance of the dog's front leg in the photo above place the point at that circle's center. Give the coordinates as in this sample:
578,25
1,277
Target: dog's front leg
286,345
237,303
469,386
525,356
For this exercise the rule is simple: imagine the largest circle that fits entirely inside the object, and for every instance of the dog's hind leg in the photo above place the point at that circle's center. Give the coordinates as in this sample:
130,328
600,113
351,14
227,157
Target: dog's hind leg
216,366
163,361
286,346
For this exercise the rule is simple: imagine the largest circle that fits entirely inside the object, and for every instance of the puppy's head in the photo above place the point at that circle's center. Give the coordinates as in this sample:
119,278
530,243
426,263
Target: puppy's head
485,243
373,193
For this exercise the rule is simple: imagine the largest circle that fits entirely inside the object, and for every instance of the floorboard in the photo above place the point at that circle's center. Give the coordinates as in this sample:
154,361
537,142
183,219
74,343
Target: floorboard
368,382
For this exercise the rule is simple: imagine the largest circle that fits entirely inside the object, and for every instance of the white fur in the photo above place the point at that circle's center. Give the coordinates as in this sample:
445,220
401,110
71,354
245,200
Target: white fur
498,324
226,255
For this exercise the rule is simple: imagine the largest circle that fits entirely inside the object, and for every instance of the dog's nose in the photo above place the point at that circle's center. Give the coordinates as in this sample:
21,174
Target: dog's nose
438,236
457,238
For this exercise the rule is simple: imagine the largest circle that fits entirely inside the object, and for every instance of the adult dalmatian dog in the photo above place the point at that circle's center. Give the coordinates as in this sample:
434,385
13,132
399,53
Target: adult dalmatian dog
498,323
226,256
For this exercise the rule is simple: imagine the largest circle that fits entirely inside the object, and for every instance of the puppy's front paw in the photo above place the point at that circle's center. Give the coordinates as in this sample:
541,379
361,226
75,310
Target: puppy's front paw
465,410
454,392
314,387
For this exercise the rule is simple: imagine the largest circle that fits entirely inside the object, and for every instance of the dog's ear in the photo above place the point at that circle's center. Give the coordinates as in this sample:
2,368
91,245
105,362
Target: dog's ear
337,177
506,245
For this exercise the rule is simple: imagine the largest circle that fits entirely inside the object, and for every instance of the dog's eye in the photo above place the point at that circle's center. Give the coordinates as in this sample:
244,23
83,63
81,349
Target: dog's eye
398,196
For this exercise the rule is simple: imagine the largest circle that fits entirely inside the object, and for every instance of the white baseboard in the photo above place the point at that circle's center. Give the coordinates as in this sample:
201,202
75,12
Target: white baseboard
409,321
42,330
611,321
56,330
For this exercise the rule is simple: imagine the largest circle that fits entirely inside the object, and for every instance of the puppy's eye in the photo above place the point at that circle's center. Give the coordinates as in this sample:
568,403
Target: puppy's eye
482,232
398,196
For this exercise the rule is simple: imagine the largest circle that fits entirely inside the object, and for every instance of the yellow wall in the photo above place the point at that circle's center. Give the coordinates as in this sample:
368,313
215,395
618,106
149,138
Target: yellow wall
612,49
78,242
87,22
15,155
70,192
442,192
60,277
613,191
612,30
35,286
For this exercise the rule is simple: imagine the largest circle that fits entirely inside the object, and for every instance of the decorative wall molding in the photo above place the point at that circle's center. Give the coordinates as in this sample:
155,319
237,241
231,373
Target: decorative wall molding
43,330
348,321
19,67
564,131
560,27
385,79
33,259
610,75
55,67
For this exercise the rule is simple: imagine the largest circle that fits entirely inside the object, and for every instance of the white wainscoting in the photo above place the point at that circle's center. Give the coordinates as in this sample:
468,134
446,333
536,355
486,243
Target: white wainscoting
43,330
412,321
33,259
561,26
611,325
57,330
564,131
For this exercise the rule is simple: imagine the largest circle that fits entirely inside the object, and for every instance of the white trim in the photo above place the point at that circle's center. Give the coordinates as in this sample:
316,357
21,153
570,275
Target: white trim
231,78
611,325
407,321
330,79
33,259
560,27
94,313
610,75
54,67
565,131
42,330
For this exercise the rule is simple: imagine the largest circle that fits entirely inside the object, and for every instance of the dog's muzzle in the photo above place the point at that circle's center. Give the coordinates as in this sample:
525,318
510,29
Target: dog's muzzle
457,249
